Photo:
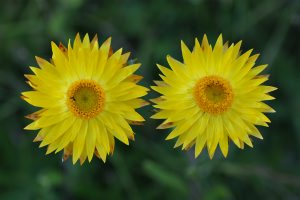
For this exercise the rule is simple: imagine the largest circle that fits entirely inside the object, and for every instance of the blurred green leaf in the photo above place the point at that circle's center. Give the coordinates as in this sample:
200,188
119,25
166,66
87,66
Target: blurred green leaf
164,176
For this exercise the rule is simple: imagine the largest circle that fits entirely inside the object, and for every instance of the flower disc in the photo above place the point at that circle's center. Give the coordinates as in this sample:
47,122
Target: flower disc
85,99
213,94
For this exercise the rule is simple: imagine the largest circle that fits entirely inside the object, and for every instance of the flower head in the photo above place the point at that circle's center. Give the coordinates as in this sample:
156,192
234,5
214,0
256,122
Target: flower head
214,96
88,96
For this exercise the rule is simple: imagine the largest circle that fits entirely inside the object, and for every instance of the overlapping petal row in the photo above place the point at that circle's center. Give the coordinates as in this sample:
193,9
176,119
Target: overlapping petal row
211,125
59,128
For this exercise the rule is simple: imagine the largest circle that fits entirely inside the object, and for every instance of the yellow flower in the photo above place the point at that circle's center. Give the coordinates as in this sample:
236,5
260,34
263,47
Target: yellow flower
214,96
88,96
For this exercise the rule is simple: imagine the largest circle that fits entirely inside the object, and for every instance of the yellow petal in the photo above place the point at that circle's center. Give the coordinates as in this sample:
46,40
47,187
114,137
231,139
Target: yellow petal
200,142
123,73
182,127
102,137
58,130
79,142
103,55
91,141
224,145
118,132
45,121
197,129
112,66
40,100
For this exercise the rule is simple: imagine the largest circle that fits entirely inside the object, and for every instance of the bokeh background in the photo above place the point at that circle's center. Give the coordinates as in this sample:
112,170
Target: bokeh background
150,168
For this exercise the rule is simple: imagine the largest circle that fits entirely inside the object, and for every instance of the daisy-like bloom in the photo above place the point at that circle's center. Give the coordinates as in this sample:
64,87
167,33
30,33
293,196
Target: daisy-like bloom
214,96
88,96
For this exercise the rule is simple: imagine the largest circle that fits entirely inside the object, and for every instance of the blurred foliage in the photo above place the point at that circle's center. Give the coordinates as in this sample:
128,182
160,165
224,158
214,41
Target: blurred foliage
150,168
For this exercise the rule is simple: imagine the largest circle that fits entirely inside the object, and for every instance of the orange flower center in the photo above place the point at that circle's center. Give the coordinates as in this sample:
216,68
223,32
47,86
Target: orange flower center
85,99
213,94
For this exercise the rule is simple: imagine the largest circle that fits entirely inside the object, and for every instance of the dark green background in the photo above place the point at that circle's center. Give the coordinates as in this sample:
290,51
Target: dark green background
150,168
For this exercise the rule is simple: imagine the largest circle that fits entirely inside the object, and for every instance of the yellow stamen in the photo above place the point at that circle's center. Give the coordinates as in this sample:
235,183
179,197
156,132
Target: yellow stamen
213,94
85,99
